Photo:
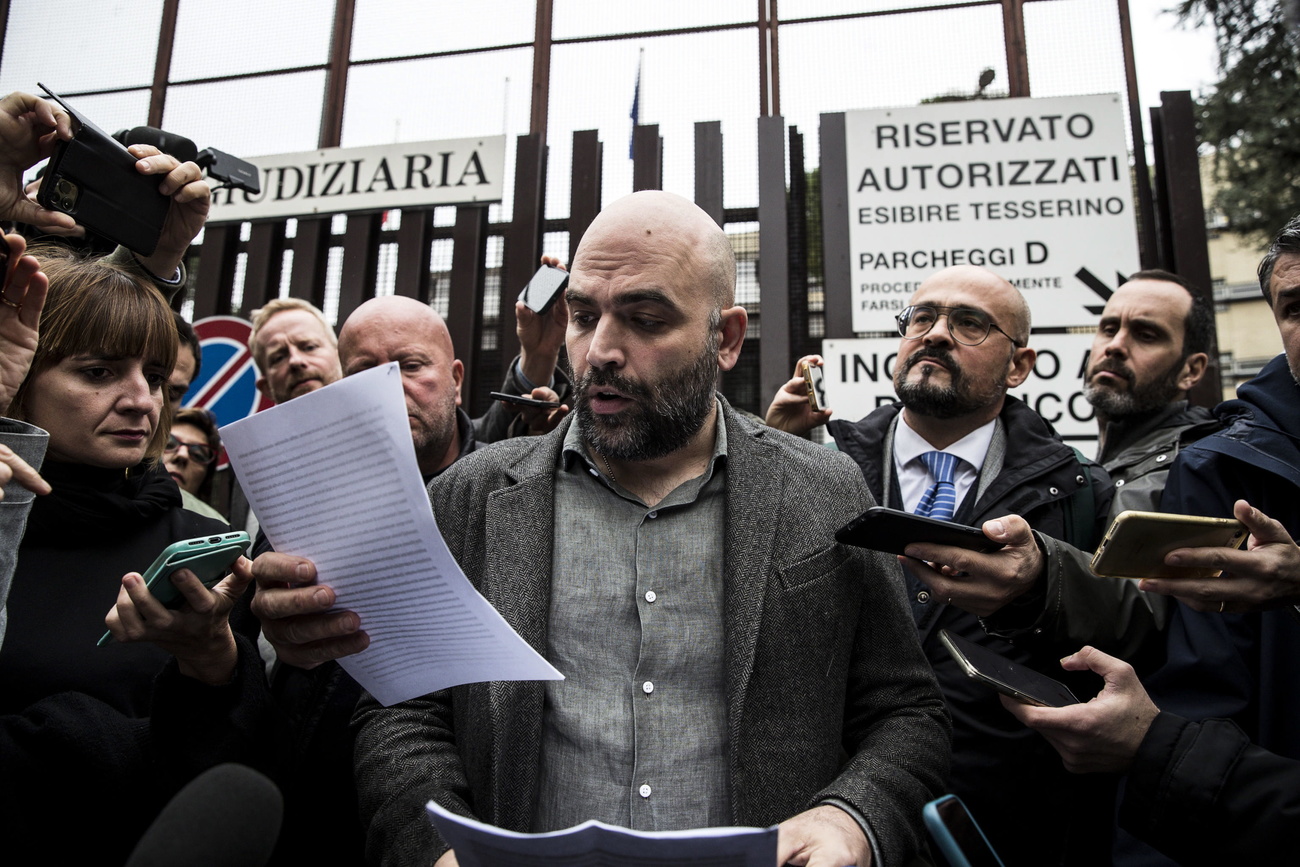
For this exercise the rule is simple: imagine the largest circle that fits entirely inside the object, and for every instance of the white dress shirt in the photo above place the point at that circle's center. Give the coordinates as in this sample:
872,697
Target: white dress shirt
914,478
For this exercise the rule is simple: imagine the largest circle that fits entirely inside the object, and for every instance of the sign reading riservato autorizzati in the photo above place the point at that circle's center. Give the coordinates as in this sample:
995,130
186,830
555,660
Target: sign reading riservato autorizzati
1037,190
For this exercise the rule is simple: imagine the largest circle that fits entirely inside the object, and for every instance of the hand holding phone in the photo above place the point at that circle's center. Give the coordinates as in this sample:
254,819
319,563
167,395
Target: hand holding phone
1136,543
94,179
520,400
815,378
1009,678
208,557
30,127
892,530
544,287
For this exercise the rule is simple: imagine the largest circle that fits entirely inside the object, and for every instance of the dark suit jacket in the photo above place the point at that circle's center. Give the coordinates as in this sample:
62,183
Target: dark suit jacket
828,693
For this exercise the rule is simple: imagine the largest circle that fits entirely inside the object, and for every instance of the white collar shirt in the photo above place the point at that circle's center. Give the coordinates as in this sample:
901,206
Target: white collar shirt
914,478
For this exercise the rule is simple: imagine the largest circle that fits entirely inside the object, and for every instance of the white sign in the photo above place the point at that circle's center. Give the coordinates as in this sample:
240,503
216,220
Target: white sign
1037,190
860,378
338,180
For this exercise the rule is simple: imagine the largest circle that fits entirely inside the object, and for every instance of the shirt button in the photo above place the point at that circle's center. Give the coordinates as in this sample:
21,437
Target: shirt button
1119,483
650,596
653,515
1053,491
644,790
923,597
1162,459
647,687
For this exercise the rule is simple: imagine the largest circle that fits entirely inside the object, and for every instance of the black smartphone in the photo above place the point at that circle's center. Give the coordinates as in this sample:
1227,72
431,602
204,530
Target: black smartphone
892,530
523,401
94,179
1007,677
544,288
958,835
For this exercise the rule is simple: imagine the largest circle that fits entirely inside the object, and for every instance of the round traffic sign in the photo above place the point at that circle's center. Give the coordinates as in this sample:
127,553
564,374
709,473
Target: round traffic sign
227,383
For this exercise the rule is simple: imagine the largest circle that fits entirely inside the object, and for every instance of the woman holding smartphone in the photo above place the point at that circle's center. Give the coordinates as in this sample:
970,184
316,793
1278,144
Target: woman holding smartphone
178,691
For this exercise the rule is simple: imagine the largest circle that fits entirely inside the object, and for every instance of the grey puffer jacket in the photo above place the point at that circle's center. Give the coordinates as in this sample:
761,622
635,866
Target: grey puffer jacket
1138,454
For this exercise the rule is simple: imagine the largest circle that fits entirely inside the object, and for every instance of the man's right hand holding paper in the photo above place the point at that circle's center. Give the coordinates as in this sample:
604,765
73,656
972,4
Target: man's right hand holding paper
296,614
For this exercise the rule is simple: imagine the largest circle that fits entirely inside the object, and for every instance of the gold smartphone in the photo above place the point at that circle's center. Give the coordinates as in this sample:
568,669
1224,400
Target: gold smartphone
815,379
1136,543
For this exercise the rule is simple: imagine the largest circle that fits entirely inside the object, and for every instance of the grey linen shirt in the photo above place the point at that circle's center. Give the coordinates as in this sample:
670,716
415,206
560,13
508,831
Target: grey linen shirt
636,734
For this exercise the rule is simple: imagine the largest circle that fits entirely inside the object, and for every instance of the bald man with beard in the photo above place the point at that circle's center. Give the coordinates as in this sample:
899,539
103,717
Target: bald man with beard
964,343
723,664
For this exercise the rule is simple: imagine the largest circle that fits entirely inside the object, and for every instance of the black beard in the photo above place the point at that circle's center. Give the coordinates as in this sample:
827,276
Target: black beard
1139,400
925,398
667,413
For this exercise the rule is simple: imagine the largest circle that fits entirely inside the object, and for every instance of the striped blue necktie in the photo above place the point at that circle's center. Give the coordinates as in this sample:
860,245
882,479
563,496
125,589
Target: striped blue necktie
940,501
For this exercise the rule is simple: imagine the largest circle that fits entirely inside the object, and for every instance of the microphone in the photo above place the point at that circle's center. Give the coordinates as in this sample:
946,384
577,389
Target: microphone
168,142
228,816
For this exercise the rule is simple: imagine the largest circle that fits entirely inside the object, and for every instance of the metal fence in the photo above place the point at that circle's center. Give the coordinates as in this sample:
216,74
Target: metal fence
276,76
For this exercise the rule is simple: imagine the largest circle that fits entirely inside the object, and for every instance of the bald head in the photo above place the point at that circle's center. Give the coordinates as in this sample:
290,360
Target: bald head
999,298
386,313
652,225
395,328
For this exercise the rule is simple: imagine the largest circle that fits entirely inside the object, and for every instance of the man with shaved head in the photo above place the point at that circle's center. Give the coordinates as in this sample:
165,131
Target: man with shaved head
726,662
299,347
394,328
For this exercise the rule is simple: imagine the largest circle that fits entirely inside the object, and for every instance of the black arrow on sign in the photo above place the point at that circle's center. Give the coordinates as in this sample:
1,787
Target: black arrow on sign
1093,282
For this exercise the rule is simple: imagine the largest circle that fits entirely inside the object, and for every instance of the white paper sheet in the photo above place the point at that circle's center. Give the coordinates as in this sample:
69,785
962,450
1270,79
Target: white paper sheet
332,477
595,844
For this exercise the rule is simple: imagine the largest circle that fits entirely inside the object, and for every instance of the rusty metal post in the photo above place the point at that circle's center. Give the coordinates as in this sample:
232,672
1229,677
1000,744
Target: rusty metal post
1013,30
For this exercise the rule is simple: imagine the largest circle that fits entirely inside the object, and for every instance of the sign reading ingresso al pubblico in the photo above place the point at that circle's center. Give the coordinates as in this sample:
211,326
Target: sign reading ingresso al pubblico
1037,190
339,180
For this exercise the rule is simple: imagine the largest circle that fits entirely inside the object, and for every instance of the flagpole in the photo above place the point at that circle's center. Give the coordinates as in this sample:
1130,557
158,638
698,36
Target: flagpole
635,113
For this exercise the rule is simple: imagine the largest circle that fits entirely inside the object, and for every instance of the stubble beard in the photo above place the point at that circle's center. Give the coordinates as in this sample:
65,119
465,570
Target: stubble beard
1138,400
666,414
434,434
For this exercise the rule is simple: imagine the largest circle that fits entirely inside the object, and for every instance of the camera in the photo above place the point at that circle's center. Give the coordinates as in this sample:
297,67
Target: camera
230,170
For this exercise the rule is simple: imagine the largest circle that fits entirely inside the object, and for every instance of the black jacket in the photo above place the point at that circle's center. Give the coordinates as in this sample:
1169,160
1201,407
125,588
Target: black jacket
1244,667
1201,793
117,725
1034,812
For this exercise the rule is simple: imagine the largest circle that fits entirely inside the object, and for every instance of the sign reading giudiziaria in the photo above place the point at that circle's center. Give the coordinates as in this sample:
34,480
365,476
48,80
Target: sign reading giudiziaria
1037,190
339,180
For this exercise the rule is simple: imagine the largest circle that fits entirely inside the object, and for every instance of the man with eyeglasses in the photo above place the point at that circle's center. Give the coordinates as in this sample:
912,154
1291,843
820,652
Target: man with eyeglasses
956,446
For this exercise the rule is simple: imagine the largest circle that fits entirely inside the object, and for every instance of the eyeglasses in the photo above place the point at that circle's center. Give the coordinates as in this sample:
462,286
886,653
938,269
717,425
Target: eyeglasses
200,453
968,326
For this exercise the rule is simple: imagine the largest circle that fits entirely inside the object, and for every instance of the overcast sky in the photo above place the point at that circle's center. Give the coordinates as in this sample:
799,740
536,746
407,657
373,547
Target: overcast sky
834,66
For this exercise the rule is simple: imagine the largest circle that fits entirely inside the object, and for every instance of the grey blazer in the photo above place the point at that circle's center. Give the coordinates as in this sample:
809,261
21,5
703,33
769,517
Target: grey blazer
828,693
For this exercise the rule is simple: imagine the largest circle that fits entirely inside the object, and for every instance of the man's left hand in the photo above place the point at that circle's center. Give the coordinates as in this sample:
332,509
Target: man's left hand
191,198
1265,575
1103,734
824,836
976,582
